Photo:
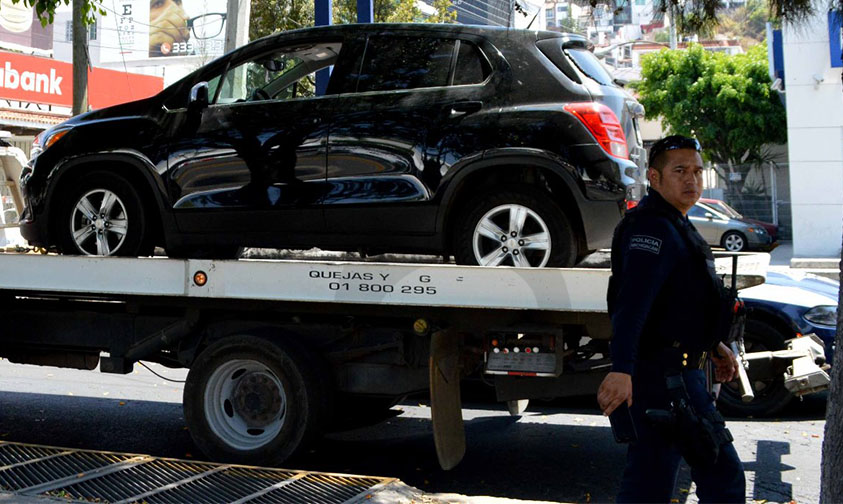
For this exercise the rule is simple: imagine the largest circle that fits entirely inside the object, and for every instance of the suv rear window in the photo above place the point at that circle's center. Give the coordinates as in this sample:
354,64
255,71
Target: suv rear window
590,65
471,67
405,63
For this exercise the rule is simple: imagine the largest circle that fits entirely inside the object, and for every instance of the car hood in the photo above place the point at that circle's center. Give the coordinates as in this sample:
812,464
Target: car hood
135,108
794,288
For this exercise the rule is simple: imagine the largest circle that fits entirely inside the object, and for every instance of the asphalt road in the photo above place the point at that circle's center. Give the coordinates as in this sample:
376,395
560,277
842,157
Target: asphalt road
561,451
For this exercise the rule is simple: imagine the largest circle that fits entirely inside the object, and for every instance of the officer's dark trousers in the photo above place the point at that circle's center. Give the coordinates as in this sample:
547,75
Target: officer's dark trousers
652,464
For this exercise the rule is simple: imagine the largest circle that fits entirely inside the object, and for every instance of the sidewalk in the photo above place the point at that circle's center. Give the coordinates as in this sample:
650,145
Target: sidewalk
781,259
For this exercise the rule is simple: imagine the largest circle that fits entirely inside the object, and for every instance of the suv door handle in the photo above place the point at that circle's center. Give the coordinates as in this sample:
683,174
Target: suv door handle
462,108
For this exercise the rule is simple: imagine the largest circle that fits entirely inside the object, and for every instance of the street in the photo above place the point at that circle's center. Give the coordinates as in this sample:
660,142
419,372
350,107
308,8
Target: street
560,451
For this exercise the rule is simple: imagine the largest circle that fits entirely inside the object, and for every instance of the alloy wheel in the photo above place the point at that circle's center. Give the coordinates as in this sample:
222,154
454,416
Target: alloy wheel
512,235
734,242
99,223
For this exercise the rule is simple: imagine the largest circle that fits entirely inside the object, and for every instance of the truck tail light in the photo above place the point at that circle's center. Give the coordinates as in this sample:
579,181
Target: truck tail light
603,124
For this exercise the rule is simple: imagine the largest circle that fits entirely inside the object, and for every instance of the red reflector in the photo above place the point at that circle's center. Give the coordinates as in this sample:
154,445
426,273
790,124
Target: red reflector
630,204
520,373
603,124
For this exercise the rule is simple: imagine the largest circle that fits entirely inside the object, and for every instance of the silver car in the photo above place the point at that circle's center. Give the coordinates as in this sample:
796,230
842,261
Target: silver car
720,230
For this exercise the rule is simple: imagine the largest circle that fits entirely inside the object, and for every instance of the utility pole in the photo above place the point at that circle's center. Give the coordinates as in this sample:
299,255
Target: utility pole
237,24
80,60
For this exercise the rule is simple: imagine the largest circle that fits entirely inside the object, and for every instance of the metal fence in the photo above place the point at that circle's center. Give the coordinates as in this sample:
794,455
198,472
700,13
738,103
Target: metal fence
762,192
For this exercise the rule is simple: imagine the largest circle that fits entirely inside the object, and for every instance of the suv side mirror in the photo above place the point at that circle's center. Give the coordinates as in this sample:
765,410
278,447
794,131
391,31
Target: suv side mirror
198,96
709,215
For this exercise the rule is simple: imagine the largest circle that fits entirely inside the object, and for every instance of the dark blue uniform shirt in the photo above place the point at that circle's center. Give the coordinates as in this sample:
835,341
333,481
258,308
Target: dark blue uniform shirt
663,290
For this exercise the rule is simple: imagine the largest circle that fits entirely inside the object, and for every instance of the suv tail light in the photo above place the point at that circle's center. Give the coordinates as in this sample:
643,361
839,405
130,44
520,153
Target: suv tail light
603,124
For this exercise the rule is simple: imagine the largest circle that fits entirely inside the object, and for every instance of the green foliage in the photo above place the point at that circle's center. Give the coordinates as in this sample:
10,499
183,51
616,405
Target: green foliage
405,12
725,101
46,9
270,16
345,11
570,25
662,36
445,12
702,16
748,23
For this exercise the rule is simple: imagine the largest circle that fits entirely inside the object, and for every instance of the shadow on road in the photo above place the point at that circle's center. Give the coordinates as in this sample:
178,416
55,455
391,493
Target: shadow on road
553,453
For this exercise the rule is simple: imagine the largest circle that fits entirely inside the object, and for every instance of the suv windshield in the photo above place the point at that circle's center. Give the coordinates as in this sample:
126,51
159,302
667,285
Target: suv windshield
590,65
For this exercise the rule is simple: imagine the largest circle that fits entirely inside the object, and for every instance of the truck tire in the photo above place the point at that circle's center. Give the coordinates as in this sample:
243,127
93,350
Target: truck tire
515,216
103,215
770,393
252,400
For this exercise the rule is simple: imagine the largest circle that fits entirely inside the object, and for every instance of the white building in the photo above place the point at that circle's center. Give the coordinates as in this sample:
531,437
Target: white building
815,135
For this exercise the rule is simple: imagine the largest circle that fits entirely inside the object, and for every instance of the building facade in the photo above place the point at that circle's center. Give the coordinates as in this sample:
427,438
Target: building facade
812,70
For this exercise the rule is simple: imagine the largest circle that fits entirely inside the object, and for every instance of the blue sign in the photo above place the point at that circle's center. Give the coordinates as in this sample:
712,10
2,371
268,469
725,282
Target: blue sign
835,38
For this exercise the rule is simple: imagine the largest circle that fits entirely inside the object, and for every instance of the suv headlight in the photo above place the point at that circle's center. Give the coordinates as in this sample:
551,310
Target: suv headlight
822,315
45,139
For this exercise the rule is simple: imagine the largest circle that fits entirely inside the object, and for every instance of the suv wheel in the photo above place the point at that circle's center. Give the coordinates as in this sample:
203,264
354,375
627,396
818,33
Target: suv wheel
103,216
517,227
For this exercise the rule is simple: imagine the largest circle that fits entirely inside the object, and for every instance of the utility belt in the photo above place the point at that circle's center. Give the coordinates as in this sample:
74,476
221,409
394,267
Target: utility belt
698,436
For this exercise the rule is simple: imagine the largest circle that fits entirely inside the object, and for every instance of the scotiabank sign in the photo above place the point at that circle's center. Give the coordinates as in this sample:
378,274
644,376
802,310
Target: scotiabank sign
48,81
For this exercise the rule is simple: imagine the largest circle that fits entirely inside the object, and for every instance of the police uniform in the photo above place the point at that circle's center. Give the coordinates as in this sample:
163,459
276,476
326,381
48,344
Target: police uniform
664,301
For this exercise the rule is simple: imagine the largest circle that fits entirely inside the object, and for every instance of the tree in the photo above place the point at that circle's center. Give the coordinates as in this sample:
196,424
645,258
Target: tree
270,16
445,12
345,11
692,14
747,23
46,9
405,12
725,101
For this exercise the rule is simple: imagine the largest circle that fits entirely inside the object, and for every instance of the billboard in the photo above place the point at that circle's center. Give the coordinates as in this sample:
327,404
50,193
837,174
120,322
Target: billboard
43,80
141,29
19,25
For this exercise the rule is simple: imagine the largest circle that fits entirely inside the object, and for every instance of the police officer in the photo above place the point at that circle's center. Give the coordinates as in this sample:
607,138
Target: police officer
663,301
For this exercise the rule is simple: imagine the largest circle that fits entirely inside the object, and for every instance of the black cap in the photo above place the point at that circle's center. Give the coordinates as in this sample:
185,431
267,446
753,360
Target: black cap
670,143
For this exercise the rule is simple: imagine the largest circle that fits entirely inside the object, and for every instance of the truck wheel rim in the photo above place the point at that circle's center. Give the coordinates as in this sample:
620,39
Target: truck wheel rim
98,223
734,243
511,235
245,404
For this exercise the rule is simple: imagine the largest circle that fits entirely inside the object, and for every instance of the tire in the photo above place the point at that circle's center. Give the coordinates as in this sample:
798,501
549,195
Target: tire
495,209
249,400
770,394
733,241
120,229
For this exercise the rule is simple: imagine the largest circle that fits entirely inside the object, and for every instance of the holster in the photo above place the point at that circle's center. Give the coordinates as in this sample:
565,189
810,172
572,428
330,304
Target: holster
697,436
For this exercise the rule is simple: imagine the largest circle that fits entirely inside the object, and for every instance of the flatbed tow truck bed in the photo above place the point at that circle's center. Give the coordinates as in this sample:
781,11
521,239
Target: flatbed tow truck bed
280,351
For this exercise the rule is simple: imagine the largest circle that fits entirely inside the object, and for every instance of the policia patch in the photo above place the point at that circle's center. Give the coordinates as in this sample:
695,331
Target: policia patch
645,243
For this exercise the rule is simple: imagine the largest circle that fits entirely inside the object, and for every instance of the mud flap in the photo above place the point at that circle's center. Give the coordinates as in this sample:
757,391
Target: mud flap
445,402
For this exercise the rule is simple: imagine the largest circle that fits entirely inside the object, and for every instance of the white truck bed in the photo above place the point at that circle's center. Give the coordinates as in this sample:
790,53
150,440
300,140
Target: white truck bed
440,285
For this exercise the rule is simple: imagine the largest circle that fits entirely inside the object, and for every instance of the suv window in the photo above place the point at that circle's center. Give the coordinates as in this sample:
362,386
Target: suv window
393,62
471,67
280,75
590,65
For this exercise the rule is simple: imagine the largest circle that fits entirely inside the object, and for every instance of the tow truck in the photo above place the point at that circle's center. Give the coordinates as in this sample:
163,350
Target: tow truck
279,351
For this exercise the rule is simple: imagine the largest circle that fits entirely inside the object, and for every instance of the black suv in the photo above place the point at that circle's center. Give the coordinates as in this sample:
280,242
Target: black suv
494,145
